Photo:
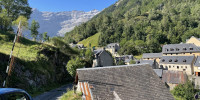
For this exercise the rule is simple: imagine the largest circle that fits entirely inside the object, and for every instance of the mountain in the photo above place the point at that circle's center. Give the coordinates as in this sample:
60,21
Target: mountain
58,23
142,25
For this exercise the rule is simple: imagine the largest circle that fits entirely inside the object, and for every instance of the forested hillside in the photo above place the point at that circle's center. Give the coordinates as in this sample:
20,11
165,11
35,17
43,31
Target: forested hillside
142,25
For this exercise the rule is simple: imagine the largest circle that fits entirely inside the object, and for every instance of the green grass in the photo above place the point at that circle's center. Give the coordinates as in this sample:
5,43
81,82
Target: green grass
138,56
93,40
26,50
71,96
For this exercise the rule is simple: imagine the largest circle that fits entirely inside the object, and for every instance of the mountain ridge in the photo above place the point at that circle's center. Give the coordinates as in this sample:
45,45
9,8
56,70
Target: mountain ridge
58,23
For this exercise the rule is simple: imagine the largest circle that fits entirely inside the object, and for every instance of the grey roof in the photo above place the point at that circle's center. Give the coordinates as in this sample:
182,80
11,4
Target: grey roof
150,62
152,55
111,45
159,72
130,82
180,48
98,51
174,77
197,62
177,59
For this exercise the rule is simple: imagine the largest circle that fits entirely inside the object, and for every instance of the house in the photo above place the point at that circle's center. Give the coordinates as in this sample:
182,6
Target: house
79,46
194,40
178,63
102,58
197,66
113,48
152,63
152,56
159,72
127,82
125,58
181,50
173,78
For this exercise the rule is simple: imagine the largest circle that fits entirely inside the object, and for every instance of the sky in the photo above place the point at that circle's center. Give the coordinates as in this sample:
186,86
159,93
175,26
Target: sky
69,5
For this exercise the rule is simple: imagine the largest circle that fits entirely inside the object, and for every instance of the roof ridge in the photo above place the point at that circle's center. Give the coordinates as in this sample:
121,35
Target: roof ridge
108,67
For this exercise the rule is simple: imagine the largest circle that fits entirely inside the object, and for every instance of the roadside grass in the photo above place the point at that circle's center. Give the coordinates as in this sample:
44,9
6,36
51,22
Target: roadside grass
70,95
93,40
138,57
34,91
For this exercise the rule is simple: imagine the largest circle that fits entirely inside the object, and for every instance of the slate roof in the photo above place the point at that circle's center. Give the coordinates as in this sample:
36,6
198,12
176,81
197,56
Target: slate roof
113,45
150,62
197,62
130,82
177,59
152,55
174,77
180,48
97,52
159,72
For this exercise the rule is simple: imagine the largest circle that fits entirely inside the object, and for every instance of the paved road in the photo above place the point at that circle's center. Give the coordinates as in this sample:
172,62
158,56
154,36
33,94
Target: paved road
53,94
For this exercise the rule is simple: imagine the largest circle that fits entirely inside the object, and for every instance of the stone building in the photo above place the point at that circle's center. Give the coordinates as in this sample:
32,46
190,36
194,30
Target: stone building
128,82
194,40
178,63
173,78
197,66
181,50
152,56
125,58
113,48
102,58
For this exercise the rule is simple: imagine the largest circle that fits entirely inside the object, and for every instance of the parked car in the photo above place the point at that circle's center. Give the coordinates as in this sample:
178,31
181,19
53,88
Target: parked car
14,94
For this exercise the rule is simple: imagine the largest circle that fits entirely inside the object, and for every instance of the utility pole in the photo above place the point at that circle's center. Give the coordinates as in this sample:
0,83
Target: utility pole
11,58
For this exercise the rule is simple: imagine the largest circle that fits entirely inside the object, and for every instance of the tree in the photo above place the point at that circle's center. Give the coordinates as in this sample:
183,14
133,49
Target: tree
45,36
74,64
5,22
185,91
24,22
15,8
34,29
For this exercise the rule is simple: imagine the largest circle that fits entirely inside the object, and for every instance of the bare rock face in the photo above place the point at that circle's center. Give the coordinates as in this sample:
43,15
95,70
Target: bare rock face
58,23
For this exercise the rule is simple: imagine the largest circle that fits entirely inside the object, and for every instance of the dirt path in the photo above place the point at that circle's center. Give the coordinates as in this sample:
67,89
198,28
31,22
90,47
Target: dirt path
53,94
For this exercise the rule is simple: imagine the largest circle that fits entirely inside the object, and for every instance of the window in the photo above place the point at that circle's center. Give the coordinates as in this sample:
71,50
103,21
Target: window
171,49
165,66
171,53
176,53
170,60
184,60
173,66
169,66
184,48
166,50
181,66
175,60
191,48
163,60
185,67
177,67
177,49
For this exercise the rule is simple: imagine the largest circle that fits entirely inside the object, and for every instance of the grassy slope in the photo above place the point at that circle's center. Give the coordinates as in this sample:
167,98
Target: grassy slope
93,40
27,55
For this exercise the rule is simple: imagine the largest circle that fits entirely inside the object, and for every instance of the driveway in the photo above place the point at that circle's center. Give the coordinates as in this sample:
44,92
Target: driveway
53,94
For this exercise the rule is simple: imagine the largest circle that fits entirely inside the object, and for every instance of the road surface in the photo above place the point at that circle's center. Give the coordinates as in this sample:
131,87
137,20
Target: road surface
53,94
